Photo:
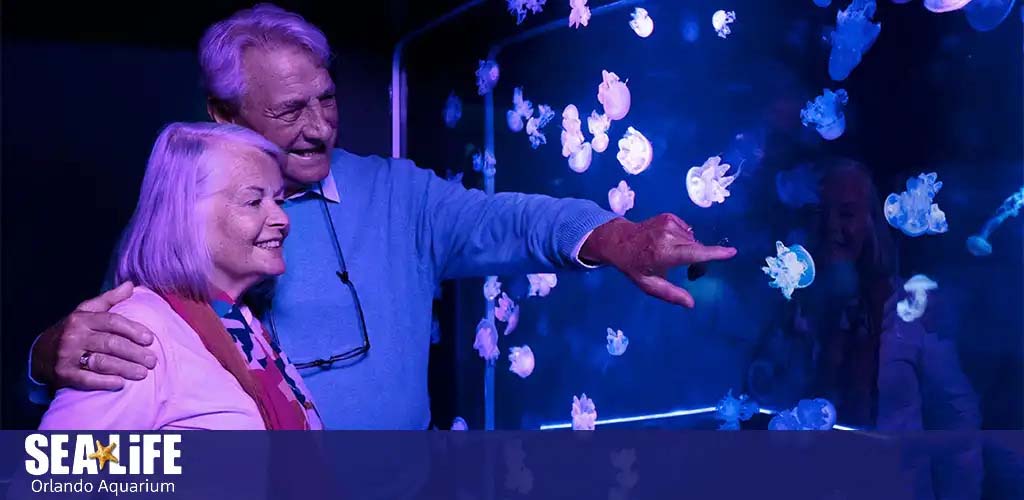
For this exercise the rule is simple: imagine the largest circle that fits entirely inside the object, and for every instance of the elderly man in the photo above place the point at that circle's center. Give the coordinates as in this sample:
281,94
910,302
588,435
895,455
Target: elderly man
371,239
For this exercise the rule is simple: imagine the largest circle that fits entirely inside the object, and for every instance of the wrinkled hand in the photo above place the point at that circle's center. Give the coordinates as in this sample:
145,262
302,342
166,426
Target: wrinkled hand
646,251
116,343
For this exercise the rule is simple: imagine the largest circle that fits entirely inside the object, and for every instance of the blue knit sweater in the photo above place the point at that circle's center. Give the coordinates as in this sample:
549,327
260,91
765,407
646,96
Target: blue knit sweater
401,230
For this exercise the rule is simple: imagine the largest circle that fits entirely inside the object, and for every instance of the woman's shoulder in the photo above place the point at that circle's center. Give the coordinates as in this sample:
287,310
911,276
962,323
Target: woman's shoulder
144,306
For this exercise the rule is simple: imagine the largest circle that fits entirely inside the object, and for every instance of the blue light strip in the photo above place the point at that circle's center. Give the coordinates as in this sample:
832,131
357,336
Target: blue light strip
678,413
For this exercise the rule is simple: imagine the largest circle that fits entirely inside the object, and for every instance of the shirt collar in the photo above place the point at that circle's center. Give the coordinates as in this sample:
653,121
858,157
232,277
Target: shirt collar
330,189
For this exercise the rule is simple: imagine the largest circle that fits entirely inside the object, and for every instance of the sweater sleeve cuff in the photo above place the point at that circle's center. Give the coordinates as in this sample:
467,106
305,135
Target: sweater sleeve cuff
574,233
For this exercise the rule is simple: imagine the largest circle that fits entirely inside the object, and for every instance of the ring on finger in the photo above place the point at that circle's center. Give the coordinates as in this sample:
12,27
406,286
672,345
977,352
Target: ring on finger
83,361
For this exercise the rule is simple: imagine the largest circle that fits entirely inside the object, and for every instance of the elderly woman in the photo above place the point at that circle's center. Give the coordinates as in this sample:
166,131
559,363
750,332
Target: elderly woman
208,227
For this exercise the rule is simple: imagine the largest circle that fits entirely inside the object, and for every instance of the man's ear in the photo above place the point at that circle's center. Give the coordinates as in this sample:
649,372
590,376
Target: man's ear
219,111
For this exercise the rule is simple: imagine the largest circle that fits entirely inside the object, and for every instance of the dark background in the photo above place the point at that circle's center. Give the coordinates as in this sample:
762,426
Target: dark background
86,87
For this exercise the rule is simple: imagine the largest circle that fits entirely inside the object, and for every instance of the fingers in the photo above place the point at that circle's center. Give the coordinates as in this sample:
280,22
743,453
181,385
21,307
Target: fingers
696,253
121,349
84,380
104,302
105,364
661,288
120,326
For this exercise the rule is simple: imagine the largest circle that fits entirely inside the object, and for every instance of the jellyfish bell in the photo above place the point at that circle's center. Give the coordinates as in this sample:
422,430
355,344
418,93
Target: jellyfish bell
635,152
515,122
642,23
614,95
790,269
721,20
707,184
920,283
452,110
940,6
621,198
822,3
979,246
802,255
579,161
853,37
459,424
600,143
521,361
985,15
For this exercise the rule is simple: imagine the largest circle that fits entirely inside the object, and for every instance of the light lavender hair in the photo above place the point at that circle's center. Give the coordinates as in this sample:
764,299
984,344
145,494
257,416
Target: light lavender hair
264,26
164,246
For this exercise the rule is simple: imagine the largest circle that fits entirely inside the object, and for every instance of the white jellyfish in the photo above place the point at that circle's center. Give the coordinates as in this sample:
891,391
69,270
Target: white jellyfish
940,6
822,3
792,268
826,113
572,136
484,162
853,36
642,23
580,13
621,198
912,211
613,95
985,15
913,307
452,110
492,288
785,421
521,110
459,424
584,413
522,361
817,414
541,284
486,342
721,20
579,161
731,411
536,123
978,244
617,342
521,7
507,311
635,152
599,125
707,183
799,186
487,77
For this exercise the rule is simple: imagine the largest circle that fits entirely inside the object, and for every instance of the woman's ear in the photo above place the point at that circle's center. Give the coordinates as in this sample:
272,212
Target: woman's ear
219,111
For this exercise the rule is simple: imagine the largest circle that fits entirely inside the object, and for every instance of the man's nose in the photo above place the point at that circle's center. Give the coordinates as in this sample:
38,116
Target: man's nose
317,127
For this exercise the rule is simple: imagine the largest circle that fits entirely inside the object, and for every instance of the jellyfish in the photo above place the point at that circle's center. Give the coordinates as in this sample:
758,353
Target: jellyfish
522,361
912,211
572,136
985,15
784,421
584,413
707,183
579,161
580,13
617,342
822,3
452,110
799,186
541,284
599,125
521,7
731,411
507,312
492,288
940,6
793,268
913,307
484,163
854,35
621,198
978,244
613,95
521,110
826,113
536,123
635,152
691,29
486,77
815,414
721,21
486,342
459,424
642,23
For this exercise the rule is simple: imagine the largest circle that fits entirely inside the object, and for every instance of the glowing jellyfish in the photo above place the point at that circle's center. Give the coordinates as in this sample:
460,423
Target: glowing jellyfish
853,36
822,3
507,312
707,183
484,163
914,305
521,7
941,6
642,23
521,110
584,413
579,161
978,244
799,186
536,123
691,29
599,125
985,15
784,421
721,20
459,424
731,411
486,342
815,414
793,268
912,211
580,13
635,152
541,284
492,288
826,113
621,198
613,95
452,110
522,361
572,136
617,342
487,77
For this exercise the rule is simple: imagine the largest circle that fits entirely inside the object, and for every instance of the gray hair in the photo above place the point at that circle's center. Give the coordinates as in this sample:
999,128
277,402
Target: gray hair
264,26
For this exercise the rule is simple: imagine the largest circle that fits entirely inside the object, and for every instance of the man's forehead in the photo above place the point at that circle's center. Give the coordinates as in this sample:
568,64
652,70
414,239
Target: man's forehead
285,72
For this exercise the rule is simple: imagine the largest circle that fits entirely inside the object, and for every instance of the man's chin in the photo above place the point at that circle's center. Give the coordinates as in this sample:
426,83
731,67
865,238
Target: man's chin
306,172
